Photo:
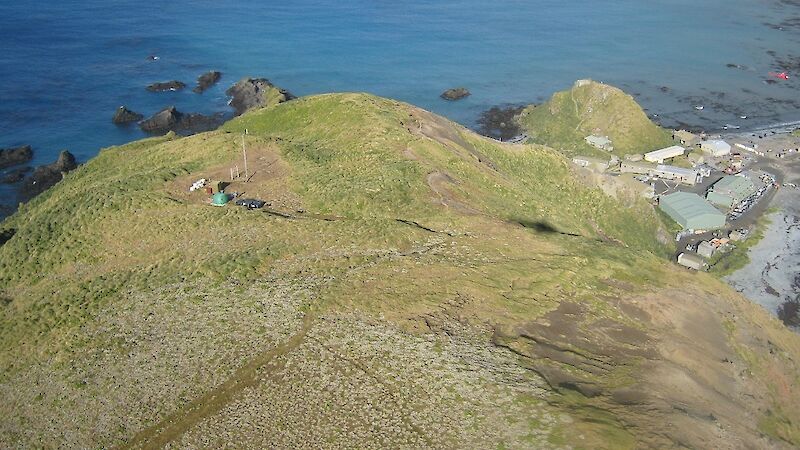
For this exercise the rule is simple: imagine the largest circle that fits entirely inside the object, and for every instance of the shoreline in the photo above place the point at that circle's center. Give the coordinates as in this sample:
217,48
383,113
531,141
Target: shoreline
771,278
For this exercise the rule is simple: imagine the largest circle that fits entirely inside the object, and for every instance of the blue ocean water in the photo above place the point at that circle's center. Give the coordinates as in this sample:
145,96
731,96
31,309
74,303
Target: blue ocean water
67,65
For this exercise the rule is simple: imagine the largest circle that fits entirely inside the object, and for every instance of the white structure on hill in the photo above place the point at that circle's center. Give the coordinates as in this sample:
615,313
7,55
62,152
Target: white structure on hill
716,147
665,153
601,142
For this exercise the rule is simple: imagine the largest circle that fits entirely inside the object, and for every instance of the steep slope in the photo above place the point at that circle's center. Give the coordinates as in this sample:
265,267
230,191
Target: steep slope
411,284
590,108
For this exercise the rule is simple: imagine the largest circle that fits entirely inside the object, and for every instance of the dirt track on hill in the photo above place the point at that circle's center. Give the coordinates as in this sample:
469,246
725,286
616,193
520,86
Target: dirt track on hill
260,367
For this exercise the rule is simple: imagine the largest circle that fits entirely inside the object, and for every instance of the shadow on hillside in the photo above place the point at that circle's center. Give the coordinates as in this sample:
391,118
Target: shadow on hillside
541,226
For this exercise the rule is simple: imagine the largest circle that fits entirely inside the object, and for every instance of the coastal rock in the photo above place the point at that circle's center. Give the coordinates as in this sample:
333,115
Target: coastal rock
43,177
170,119
15,175
207,80
165,120
455,94
13,156
500,122
173,85
251,93
125,115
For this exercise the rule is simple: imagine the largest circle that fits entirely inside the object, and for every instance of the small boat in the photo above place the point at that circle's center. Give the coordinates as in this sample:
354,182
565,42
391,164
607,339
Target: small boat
731,127
699,107
743,117
780,75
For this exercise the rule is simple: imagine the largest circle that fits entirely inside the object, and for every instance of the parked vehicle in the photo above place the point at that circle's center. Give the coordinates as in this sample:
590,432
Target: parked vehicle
251,203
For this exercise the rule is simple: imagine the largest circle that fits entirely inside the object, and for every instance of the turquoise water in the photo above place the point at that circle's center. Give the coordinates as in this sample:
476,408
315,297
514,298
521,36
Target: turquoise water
67,65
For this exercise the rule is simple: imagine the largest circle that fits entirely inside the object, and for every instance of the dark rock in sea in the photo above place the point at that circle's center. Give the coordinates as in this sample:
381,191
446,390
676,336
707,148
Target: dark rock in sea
173,85
13,156
125,115
6,236
170,119
789,312
207,80
500,123
455,93
664,89
43,177
165,120
14,175
251,93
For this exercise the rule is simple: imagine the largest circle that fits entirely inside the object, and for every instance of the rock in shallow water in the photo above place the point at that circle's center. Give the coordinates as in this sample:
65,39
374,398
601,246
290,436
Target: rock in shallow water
251,93
170,119
207,80
125,115
43,177
455,93
173,85
13,156
14,175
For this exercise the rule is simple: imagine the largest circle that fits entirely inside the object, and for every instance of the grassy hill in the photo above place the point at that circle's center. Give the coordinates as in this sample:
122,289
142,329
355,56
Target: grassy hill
410,284
593,108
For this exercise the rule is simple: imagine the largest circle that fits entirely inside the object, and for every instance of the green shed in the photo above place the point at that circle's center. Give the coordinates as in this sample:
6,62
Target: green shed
731,190
692,211
219,199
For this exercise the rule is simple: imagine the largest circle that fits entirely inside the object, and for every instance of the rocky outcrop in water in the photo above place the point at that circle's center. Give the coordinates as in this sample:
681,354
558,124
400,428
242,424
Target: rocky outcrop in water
207,80
455,94
13,156
250,93
43,177
125,116
14,175
173,85
170,119
500,123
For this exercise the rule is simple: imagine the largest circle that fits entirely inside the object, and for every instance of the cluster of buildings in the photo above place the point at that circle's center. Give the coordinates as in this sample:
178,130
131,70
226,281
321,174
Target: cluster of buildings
702,211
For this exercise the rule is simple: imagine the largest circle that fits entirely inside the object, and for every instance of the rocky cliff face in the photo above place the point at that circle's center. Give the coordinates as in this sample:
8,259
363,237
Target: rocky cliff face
170,119
251,93
44,177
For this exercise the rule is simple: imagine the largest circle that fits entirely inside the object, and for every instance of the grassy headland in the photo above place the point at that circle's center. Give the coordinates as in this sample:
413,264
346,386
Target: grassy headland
593,108
410,284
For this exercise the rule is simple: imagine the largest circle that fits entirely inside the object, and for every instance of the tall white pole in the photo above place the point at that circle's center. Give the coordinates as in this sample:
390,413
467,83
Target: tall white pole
244,152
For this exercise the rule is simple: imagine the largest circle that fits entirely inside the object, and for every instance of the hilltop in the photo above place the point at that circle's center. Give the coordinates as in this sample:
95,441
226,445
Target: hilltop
410,284
592,108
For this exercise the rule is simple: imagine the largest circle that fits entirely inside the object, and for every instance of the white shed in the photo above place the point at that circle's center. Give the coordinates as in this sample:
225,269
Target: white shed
716,147
692,261
665,153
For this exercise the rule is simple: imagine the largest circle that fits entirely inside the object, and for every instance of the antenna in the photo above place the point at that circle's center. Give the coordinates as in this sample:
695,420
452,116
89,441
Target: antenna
244,152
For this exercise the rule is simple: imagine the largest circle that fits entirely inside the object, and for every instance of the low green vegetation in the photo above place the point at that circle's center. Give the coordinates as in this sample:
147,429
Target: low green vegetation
796,132
592,108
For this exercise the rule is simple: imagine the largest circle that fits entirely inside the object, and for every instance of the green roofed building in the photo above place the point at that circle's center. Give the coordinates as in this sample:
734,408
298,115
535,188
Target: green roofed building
730,190
691,211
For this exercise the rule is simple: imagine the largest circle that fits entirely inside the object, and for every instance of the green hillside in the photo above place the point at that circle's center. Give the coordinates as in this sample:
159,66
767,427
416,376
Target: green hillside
410,284
593,108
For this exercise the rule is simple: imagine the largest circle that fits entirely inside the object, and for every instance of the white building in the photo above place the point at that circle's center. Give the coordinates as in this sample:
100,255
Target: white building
596,164
716,147
665,153
601,142
692,261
